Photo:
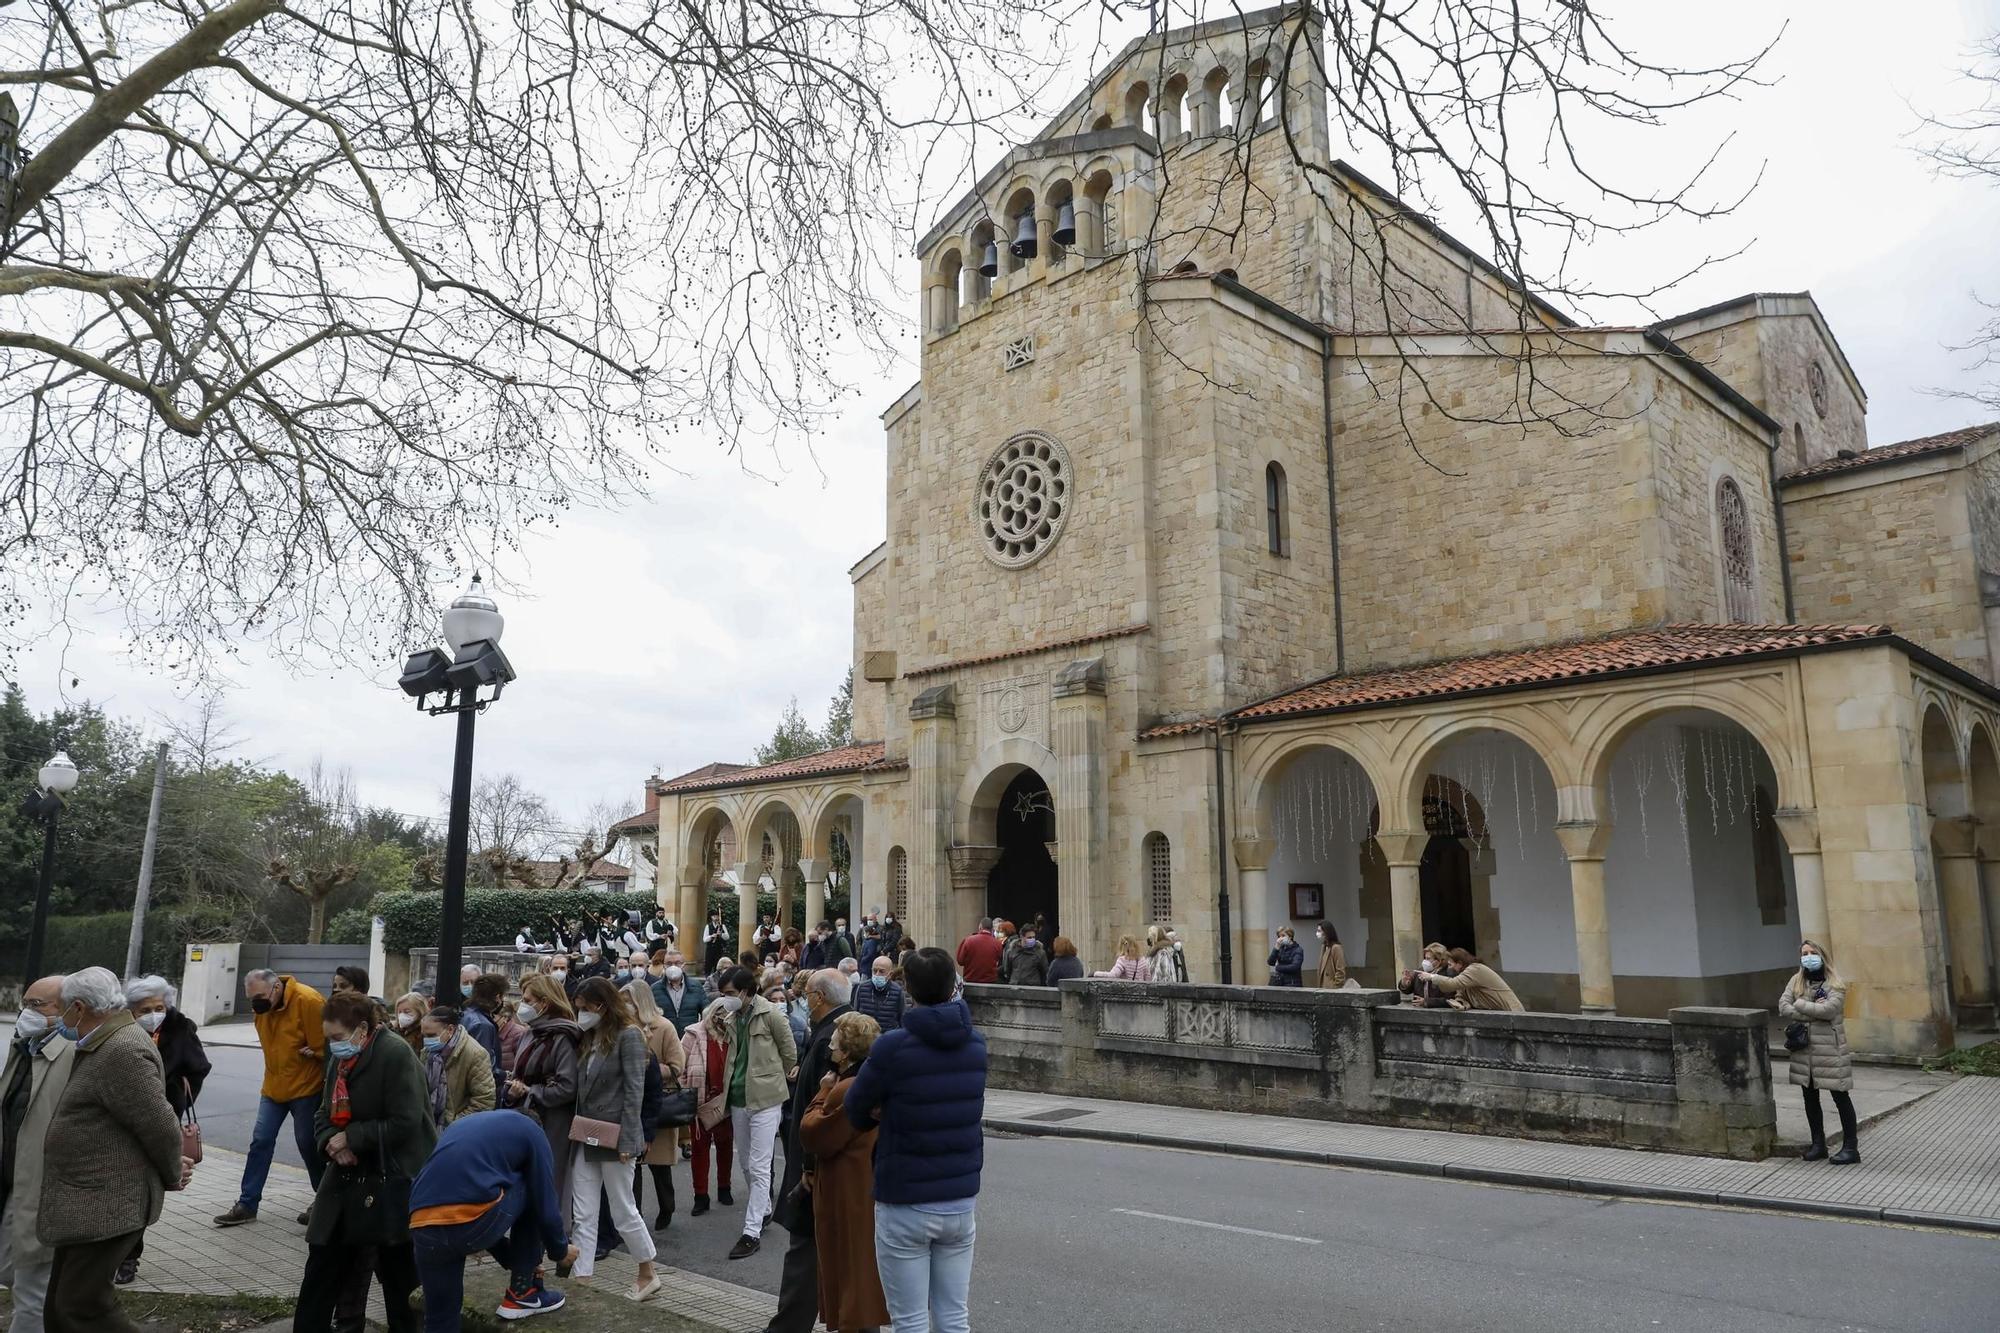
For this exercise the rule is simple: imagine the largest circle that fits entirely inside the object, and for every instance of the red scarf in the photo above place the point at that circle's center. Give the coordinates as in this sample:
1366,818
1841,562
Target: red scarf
341,1112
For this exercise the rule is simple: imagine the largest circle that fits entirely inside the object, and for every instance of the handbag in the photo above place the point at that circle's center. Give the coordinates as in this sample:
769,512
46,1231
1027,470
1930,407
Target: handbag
712,1113
190,1128
1797,1037
678,1108
594,1133
361,1208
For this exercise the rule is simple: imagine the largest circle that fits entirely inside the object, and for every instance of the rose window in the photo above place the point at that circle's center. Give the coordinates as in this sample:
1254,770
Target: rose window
1023,499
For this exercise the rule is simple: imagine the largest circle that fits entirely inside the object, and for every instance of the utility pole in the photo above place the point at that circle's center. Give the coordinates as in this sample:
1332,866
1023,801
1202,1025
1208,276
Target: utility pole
145,893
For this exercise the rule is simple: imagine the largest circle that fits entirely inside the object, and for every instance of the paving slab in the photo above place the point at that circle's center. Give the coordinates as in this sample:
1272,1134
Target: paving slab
1934,1162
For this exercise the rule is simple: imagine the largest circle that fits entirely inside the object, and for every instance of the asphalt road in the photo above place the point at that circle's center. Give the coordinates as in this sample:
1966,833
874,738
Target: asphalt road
1112,1238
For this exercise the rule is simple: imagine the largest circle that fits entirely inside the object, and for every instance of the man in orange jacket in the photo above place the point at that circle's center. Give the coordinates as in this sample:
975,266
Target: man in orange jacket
288,1028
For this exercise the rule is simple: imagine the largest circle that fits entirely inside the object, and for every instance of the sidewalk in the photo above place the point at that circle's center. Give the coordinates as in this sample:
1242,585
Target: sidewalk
1935,1163
186,1252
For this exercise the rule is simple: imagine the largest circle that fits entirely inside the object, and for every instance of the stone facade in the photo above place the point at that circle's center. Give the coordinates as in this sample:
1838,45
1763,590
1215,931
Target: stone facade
1303,434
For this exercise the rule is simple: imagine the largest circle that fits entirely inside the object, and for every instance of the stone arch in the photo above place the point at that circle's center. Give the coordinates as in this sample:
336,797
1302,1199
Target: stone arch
978,282
1096,207
1138,105
1313,799
946,288
1404,800
987,777
1946,793
1174,110
1268,768
822,812
762,815
704,825
1216,115
1599,743
1017,202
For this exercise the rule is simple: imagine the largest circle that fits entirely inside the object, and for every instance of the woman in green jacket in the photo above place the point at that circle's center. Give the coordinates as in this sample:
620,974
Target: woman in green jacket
762,1060
374,1128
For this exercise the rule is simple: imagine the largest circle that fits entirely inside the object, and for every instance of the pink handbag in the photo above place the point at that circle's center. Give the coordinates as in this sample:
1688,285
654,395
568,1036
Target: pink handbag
190,1128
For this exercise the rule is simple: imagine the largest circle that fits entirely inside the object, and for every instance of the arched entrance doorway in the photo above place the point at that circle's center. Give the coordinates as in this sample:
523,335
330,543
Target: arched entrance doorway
1023,881
1445,876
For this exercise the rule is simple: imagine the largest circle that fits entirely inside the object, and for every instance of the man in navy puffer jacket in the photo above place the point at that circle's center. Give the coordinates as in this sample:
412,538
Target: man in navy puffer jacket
926,1084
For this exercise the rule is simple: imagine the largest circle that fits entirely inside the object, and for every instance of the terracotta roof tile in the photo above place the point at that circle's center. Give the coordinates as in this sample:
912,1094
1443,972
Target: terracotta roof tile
639,823
1889,453
862,757
1662,647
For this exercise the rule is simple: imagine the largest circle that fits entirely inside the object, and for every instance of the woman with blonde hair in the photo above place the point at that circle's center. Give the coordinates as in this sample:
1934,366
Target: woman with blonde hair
843,1187
1129,966
408,1020
543,1084
664,1045
706,1048
609,1132
1163,955
1813,1005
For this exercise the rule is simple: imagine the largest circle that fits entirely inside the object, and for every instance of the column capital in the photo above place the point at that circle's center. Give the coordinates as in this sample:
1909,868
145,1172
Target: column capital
1253,853
1584,839
970,864
1084,677
1955,836
936,702
1801,829
1401,847
693,877
813,871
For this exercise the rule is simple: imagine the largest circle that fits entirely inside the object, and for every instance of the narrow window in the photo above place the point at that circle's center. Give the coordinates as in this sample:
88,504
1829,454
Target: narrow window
1159,878
899,882
1277,524
1739,572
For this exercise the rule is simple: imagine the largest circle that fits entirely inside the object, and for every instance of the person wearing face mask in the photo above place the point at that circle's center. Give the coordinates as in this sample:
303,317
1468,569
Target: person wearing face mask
38,1070
680,997
814,956
1421,985
407,1020
542,1084
1815,999
1287,961
842,1186
513,1036
705,1048
609,1133
764,1057
882,999
152,1001
113,1150
839,945
892,933
1471,984
287,1017
456,1070
480,994
375,1132
1025,964
828,999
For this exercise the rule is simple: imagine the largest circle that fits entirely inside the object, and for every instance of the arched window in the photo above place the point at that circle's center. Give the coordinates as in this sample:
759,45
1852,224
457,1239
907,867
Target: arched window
1739,568
899,883
1159,878
1277,519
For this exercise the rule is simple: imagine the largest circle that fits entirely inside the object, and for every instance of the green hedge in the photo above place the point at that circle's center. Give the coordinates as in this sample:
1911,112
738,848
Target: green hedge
354,926
414,919
76,942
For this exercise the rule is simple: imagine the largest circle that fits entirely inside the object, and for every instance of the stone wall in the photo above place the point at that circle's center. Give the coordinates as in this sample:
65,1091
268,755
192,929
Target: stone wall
1699,1082
1892,545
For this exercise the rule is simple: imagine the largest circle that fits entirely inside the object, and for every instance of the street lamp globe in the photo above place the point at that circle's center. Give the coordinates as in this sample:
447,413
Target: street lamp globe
59,774
471,618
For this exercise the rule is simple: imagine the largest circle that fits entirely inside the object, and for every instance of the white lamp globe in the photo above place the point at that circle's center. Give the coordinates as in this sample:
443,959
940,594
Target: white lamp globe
471,618
59,774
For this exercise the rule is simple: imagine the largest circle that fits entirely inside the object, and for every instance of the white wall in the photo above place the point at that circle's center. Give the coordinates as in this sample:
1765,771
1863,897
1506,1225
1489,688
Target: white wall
1530,885
1318,815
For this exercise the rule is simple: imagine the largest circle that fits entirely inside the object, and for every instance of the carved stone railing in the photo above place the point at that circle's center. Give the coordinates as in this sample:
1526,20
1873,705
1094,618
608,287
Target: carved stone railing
1699,1081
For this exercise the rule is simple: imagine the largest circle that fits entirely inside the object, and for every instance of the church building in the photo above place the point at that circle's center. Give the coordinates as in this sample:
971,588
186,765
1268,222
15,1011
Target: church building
1258,555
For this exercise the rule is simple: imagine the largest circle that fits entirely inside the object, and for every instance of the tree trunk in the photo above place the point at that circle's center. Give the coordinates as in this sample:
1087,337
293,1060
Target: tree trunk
316,924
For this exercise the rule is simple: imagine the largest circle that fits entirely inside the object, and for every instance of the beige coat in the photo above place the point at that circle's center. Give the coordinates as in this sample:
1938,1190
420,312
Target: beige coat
1332,967
45,1090
1480,987
665,1044
468,1078
1825,1062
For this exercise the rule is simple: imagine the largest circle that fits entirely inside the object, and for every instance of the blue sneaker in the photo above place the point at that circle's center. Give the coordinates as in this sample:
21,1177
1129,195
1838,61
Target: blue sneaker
527,1304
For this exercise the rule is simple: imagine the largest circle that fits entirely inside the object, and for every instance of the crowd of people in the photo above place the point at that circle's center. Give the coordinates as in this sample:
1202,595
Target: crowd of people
526,1125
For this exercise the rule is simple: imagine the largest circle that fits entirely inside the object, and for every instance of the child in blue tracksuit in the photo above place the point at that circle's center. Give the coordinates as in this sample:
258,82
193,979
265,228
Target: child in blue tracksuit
489,1185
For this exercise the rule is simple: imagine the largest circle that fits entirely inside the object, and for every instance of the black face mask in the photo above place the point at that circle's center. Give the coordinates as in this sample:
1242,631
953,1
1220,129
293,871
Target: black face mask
262,1004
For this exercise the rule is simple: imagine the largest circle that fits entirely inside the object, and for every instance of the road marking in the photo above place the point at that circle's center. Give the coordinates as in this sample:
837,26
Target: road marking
1219,1226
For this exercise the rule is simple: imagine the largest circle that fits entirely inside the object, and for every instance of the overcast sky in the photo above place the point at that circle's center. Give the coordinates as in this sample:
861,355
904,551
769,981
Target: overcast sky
725,593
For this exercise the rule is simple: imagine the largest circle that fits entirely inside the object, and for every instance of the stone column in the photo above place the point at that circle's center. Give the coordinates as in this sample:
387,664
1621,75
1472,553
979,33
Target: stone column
692,909
933,781
1082,817
1584,842
788,883
1989,883
747,889
1253,906
812,872
1045,228
970,866
1964,917
1405,854
1801,830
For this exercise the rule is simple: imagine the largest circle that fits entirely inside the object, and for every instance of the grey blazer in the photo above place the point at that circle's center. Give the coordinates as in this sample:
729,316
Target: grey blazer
612,1086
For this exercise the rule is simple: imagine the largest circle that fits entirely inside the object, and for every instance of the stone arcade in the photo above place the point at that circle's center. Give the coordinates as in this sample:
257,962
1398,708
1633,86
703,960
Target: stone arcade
1211,577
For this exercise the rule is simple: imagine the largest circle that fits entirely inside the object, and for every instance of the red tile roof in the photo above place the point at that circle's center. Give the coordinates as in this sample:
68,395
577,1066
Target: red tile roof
1889,453
639,823
865,756
1660,648
1028,650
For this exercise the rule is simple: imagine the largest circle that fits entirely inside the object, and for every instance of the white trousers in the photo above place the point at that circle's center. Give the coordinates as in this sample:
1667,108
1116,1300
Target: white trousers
28,1281
589,1174
756,1138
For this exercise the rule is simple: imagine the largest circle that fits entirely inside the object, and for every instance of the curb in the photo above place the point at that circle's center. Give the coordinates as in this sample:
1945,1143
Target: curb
1491,1175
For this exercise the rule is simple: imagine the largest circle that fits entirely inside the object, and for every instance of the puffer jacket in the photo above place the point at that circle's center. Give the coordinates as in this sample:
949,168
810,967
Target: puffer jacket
1286,962
1825,1062
928,1081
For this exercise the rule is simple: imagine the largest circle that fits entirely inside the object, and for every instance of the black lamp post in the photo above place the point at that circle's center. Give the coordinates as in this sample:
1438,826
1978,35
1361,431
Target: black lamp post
442,684
45,806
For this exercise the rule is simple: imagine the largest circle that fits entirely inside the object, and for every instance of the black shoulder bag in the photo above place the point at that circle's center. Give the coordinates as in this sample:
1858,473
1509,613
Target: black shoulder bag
358,1207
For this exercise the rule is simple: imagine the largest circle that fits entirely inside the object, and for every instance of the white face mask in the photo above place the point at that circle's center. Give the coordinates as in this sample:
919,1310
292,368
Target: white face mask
406,1020
30,1024
559,973
1428,965
526,1014
588,1019
731,1003
151,1022
676,973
